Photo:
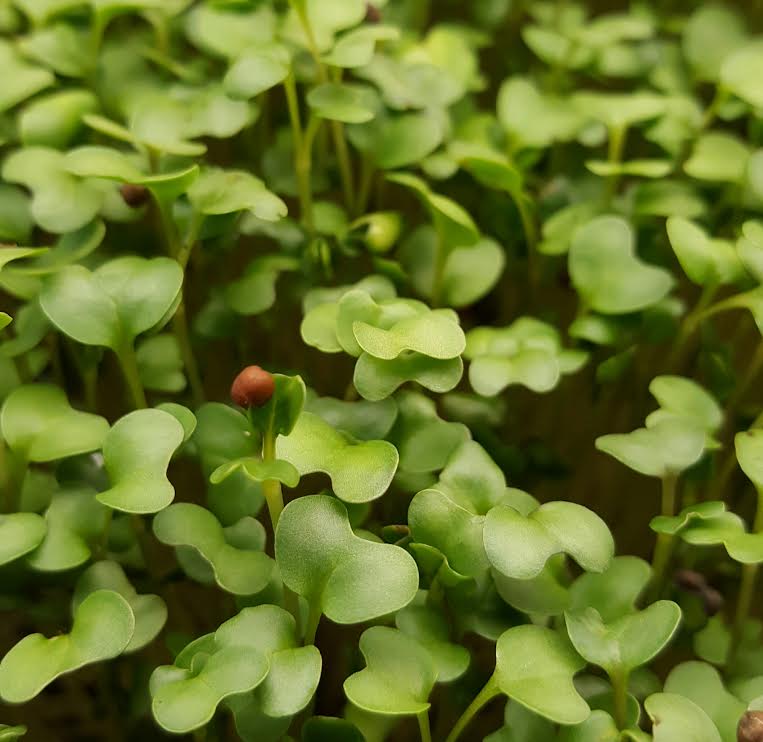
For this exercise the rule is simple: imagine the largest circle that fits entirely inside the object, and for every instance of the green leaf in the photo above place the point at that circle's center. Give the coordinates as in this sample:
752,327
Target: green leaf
608,274
150,611
350,578
56,119
113,304
701,683
257,70
519,546
5,320
675,717
362,420
376,379
23,79
627,642
398,677
9,733
218,191
282,411
738,76
705,261
356,47
240,571
360,471
430,629
351,104
102,629
75,522
226,33
620,110
160,364
711,33
718,157
60,202
33,418
749,453
136,453
684,398
614,592
255,291
535,668
665,448
453,224
20,533
329,729
712,511
61,47
258,471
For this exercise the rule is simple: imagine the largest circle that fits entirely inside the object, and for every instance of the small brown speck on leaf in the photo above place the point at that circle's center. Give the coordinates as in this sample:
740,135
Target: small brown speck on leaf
253,387
750,727
134,195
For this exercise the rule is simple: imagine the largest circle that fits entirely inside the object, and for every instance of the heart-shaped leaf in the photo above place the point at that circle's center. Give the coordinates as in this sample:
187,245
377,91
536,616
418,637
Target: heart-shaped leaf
519,546
691,516
102,629
710,34
258,470
75,521
61,202
398,677
626,643
33,418
608,274
376,379
321,559
160,364
705,261
258,69
24,79
113,304
228,32
241,571
737,73
136,453
675,717
666,448
20,533
150,611
702,684
56,119
684,398
281,413
227,191
535,668
59,46
362,420
351,104
360,471
718,157
255,291
356,48
430,629
749,453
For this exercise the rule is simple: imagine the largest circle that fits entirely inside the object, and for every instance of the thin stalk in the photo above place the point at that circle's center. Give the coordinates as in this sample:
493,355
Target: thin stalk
313,619
302,165
616,146
129,365
183,337
664,546
619,682
14,484
423,719
690,323
531,239
271,488
489,692
746,590
439,271
367,172
103,544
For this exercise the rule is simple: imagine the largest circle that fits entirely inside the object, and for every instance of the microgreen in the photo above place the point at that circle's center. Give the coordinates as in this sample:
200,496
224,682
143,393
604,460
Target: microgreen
333,330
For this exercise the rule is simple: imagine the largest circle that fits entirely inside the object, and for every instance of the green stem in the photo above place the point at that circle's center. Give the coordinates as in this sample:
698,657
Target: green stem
313,619
690,323
17,471
746,590
103,545
423,719
183,337
617,136
664,546
271,488
439,271
302,157
489,692
367,172
129,366
619,682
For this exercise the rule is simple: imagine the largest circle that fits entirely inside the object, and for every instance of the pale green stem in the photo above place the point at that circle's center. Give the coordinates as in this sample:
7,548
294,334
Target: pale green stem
489,692
619,682
423,719
14,484
664,546
617,136
271,488
313,619
439,270
302,156
129,366
746,590
690,323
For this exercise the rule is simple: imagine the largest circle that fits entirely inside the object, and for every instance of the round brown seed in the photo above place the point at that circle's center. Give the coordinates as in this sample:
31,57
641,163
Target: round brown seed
253,387
750,727
134,195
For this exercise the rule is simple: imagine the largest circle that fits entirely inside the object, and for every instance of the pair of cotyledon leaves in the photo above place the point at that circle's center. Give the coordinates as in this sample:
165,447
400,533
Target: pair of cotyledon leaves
676,435
474,522
395,340
110,618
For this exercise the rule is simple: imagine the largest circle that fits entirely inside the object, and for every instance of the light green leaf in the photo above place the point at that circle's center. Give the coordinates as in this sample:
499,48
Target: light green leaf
351,104
160,364
56,119
738,73
102,629
241,571
376,379
608,274
749,453
398,677
218,191
33,418
150,611
718,157
136,453
356,48
705,261
709,36
256,70
360,471
519,546
675,717
23,80
20,533
350,578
